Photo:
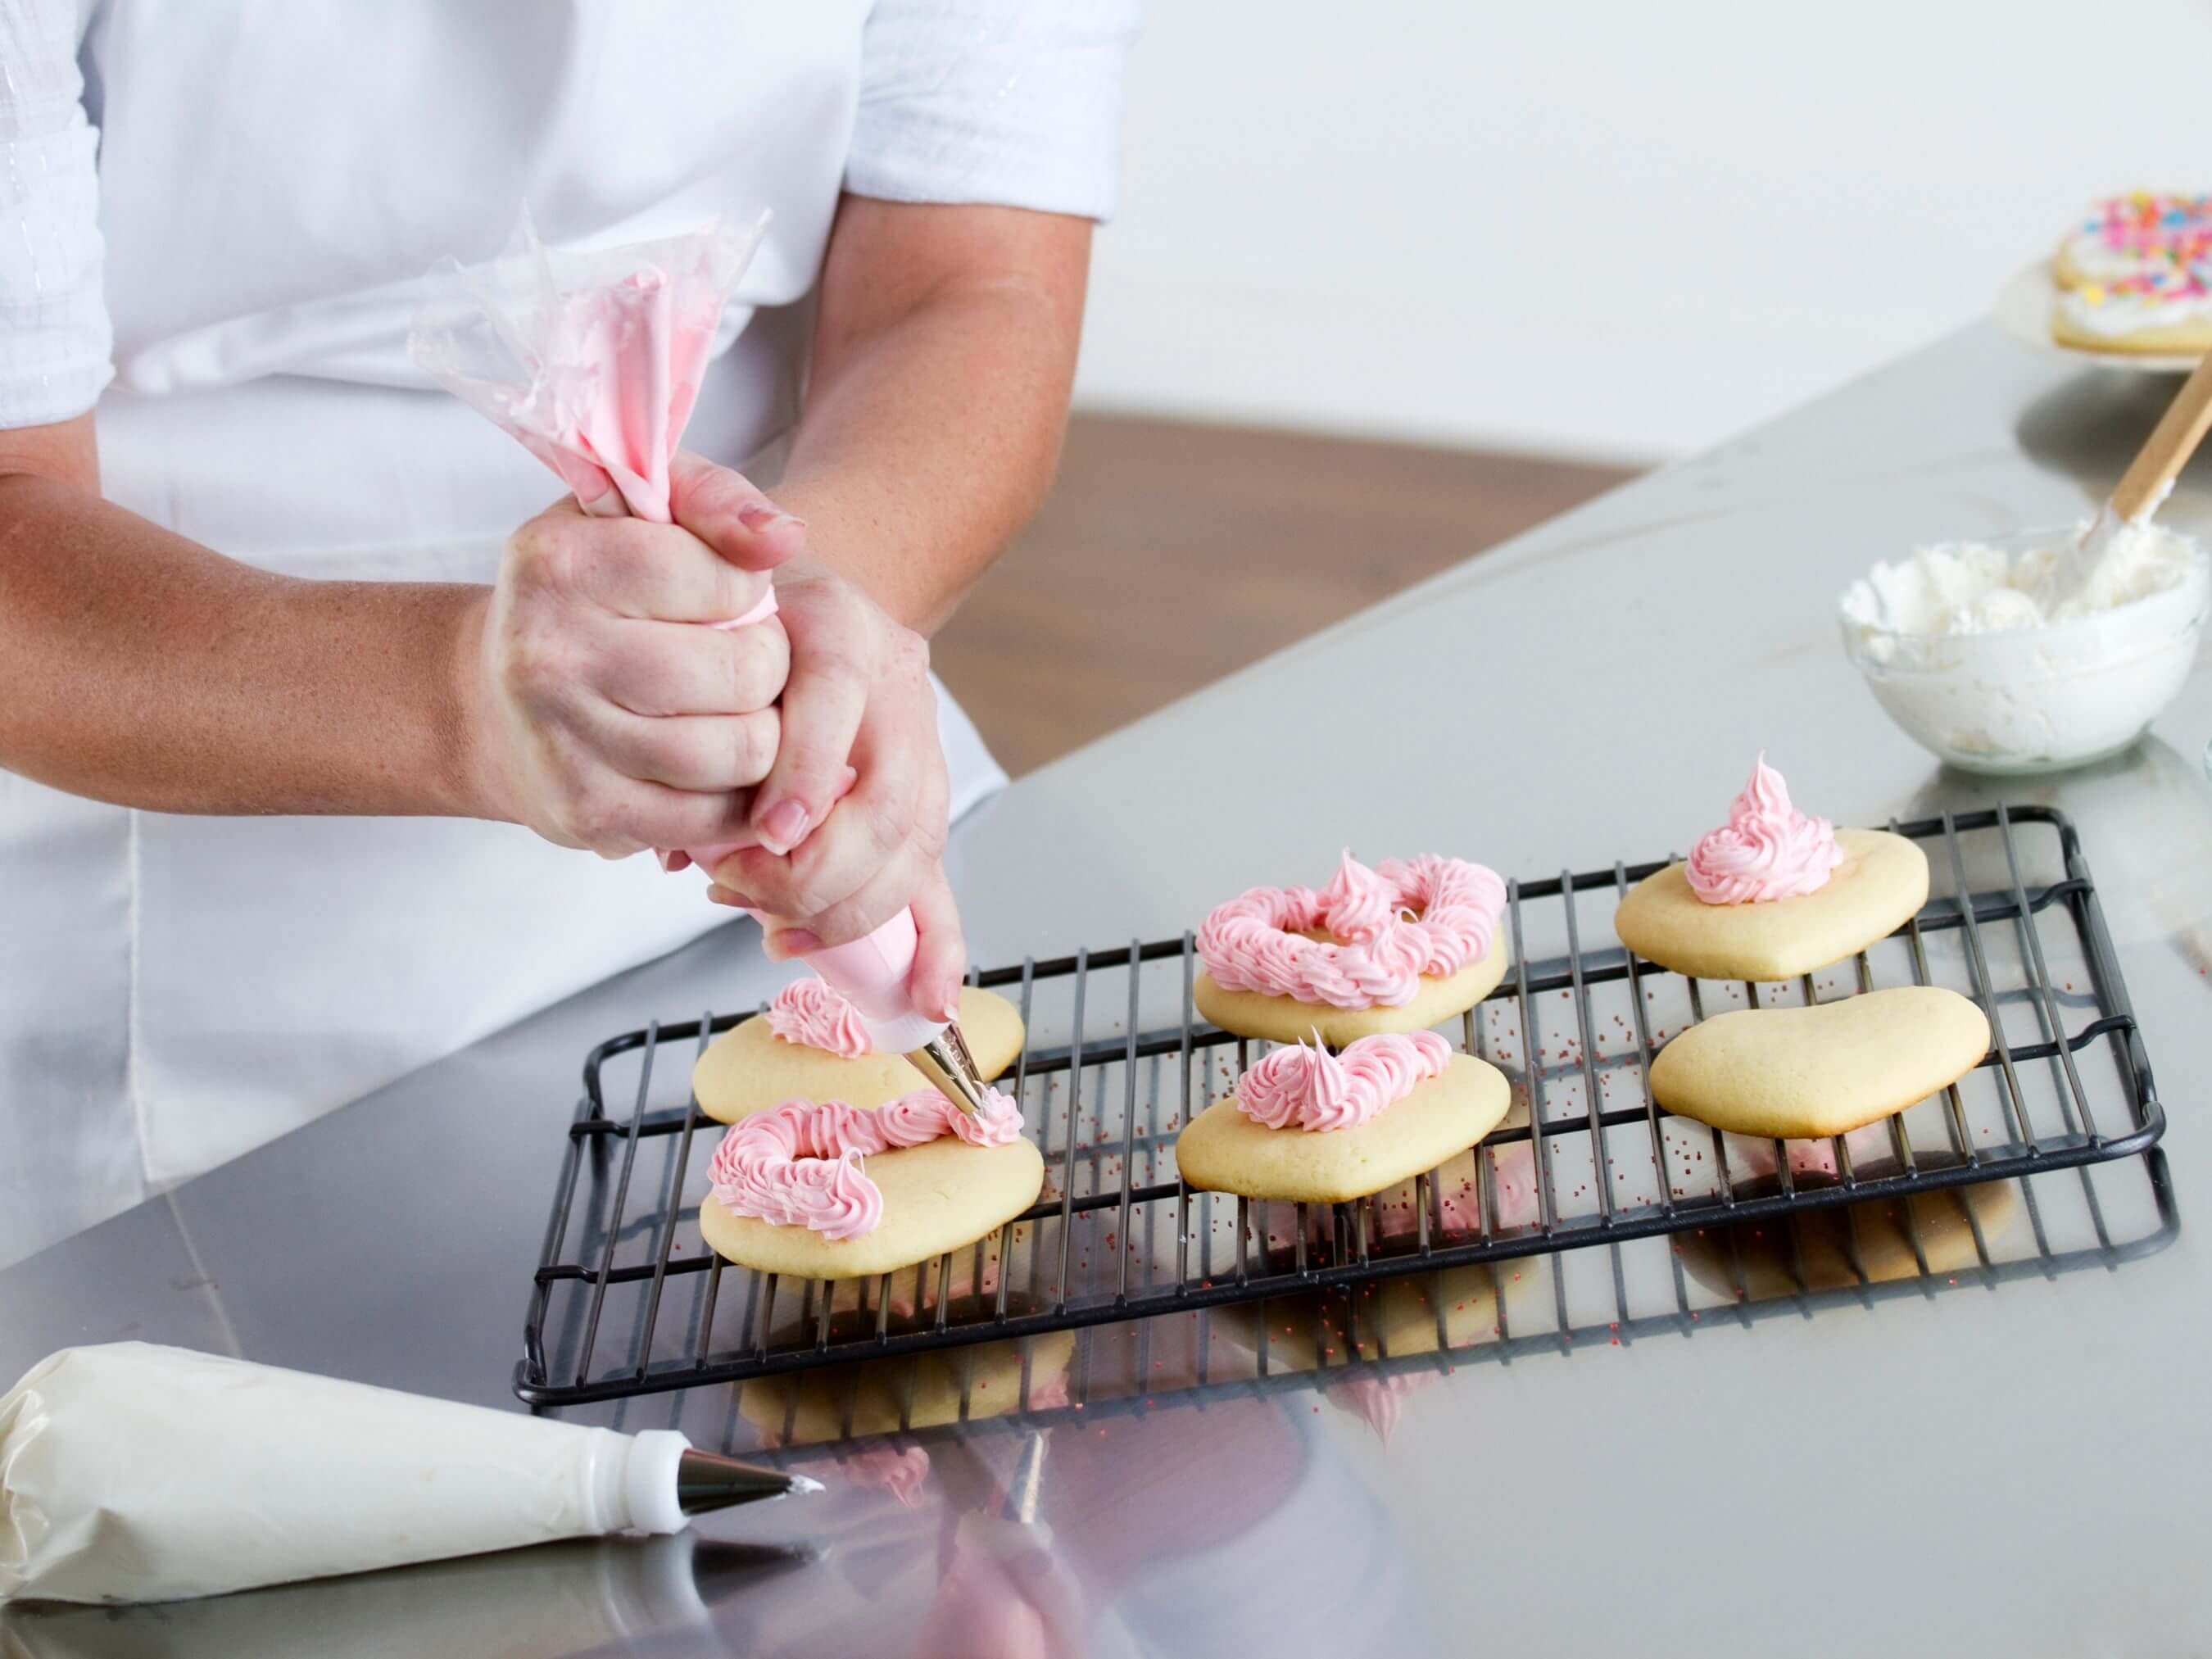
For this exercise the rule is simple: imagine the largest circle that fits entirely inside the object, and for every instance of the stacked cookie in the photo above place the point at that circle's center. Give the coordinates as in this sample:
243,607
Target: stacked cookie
1350,976
2134,276
843,1162
1774,893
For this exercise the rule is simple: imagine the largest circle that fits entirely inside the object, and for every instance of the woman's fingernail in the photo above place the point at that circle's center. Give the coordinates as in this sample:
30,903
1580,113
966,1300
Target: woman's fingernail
792,942
783,827
762,518
948,1009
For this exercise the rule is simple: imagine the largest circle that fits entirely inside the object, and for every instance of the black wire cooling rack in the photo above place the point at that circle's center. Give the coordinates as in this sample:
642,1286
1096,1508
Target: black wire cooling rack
627,1300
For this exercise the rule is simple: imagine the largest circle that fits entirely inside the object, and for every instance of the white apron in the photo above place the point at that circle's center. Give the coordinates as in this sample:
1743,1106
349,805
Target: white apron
174,991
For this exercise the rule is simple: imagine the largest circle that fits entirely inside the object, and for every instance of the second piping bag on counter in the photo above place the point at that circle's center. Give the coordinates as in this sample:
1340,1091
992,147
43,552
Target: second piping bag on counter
130,1472
593,359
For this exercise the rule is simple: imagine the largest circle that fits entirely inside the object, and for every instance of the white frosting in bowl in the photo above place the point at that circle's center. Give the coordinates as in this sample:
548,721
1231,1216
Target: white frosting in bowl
1964,646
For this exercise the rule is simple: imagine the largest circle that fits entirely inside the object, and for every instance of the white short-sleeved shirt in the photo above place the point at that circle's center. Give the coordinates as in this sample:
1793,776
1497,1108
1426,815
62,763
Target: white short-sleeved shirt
214,218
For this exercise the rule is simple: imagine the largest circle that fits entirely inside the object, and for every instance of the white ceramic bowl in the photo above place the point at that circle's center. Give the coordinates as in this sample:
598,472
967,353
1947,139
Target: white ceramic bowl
2037,699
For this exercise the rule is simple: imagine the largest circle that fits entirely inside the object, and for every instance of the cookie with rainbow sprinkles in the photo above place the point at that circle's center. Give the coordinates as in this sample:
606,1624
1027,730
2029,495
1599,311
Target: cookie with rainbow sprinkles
2122,236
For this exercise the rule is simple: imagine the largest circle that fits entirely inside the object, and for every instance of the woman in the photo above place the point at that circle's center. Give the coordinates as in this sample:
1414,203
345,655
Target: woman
306,696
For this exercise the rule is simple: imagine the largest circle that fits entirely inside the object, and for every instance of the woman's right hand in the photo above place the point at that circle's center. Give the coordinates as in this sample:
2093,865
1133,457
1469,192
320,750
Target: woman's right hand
600,713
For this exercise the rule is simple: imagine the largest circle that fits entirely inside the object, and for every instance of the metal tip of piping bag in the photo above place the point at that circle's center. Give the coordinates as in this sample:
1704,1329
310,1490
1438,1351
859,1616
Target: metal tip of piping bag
706,1481
950,1069
1029,1478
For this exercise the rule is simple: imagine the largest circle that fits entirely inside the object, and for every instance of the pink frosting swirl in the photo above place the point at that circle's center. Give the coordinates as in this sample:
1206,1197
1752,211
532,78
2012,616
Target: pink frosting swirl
1310,1088
1766,850
811,1014
1376,953
798,1164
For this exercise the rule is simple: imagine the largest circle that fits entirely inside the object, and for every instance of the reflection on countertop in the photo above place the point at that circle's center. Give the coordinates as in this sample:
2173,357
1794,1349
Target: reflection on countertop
567,1598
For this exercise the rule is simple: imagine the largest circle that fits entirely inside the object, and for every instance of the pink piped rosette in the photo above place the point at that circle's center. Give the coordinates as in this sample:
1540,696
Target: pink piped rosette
1767,849
1388,928
799,1164
811,1014
1308,1088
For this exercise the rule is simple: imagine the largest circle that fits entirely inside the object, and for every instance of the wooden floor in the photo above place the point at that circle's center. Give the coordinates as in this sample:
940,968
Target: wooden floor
1169,554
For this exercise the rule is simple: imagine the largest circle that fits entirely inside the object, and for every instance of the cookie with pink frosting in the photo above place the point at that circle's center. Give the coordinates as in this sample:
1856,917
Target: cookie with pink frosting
830,1190
811,1044
1773,892
1400,947
1313,1127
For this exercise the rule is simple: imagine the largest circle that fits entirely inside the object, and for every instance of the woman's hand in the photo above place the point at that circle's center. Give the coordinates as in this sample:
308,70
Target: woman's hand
599,713
833,869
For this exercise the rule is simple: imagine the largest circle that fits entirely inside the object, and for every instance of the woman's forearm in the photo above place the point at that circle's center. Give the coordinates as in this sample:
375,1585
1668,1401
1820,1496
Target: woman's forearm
139,667
944,352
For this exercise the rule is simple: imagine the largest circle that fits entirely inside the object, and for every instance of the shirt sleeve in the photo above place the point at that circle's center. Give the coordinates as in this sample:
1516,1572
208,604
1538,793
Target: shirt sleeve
55,340
1013,103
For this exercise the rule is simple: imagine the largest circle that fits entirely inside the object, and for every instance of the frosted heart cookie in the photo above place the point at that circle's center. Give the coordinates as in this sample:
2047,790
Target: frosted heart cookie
838,1191
1397,948
813,1045
1800,1073
1311,1127
1773,893
2159,310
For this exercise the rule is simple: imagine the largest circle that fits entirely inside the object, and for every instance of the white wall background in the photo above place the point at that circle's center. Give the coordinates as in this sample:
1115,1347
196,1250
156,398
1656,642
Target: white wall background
1610,228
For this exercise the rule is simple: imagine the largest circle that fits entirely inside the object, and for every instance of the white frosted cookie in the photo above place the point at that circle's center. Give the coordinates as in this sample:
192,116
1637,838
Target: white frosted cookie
1285,1020
749,1069
1800,1073
2168,320
936,1197
1226,1150
1397,948
1879,886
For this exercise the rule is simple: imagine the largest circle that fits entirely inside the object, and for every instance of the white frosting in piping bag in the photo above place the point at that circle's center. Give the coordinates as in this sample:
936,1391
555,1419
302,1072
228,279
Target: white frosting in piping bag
132,1473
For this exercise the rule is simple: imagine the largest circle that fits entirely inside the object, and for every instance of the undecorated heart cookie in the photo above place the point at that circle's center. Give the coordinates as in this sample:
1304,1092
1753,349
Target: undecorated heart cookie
1773,893
1398,1105
917,1391
1400,947
813,1045
1798,1073
1843,1246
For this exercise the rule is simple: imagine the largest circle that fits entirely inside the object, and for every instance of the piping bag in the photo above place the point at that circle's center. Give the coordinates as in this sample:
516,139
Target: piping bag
134,1472
594,360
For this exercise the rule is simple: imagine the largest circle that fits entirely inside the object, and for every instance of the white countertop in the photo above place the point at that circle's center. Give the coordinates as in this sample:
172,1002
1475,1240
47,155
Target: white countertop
2014,1463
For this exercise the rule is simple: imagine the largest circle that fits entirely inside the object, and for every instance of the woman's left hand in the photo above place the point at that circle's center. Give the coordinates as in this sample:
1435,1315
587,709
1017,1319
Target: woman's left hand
833,869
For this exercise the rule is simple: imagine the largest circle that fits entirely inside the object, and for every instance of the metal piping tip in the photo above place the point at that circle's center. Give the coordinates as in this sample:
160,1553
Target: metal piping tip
945,1062
706,1481
1028,1481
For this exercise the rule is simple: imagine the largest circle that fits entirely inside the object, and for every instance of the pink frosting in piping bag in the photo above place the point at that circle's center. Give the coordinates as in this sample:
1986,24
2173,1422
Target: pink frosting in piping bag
1303,1088
1376,954
798,1164
1766,850
594,360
